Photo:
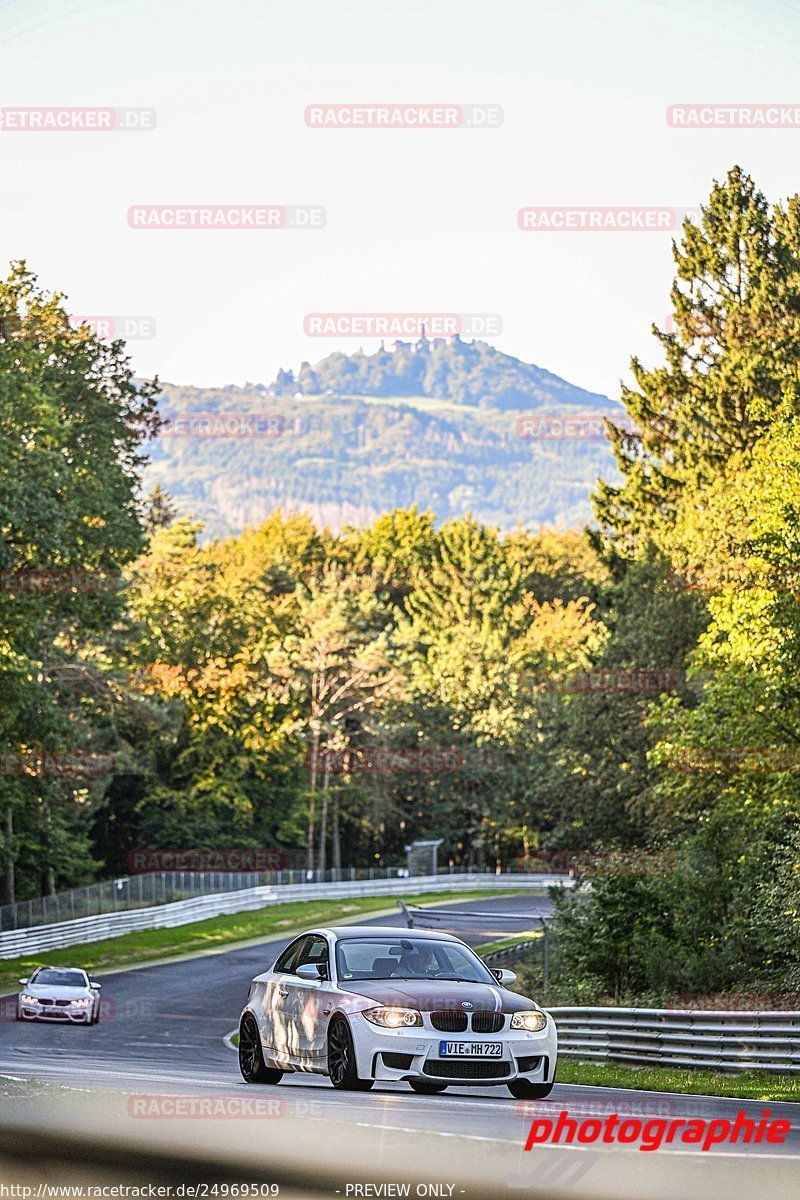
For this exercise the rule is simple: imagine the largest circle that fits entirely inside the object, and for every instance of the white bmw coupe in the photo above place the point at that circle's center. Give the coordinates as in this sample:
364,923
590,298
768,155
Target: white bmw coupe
364,1003
63,994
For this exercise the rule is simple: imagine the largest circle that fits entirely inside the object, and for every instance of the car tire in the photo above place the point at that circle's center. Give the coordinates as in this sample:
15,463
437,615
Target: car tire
523,1090
96,1016
251,1056
427,1089
342,1058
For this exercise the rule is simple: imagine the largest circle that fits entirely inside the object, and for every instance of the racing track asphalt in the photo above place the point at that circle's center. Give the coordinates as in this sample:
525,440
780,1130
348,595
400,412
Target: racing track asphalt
163,1033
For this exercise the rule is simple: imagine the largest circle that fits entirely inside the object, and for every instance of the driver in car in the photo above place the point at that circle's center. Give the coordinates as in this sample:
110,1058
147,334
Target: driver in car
417,963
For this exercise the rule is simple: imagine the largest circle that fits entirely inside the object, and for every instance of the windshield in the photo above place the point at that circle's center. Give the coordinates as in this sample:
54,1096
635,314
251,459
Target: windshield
52,977
409,958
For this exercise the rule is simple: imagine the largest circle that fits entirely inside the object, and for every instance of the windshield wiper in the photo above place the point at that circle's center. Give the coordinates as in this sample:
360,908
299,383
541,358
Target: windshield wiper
453,979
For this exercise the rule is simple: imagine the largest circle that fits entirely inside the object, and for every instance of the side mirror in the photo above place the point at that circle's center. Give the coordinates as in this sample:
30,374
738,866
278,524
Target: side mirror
94,985
503,976
23,982
312,971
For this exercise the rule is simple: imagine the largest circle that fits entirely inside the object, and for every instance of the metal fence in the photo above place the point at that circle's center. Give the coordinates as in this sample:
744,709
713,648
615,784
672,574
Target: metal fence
718,1041
163,887
96,928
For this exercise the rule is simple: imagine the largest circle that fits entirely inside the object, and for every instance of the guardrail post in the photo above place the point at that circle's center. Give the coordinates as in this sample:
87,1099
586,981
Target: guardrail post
545,955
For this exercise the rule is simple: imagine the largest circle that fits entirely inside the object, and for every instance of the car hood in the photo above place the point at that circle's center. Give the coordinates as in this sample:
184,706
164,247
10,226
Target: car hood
56,993
430,995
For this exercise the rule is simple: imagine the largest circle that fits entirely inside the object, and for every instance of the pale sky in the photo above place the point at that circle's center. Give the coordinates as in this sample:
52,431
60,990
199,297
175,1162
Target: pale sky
417,220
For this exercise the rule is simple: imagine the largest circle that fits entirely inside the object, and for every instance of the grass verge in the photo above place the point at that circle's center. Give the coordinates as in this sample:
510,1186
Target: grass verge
750,1085
216,933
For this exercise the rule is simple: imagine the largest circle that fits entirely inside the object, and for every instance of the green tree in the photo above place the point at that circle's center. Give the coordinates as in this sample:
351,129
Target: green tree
729,360
72,421
335,664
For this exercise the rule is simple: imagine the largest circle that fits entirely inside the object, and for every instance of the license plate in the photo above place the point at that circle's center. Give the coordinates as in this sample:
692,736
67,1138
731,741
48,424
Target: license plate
470,1049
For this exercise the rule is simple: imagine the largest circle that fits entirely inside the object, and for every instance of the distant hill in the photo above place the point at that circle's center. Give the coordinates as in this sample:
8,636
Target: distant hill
474,374
449,425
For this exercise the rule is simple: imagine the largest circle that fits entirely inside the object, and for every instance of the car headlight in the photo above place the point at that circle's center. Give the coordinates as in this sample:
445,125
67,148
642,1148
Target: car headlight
29,999
82,1002
393,1018
532,1022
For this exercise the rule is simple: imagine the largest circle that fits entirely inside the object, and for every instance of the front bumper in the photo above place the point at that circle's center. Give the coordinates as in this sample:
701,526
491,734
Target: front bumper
404,1054
66,1014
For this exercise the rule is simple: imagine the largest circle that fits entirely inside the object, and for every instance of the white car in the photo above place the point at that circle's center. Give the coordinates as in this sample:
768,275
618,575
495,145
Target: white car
364,1003
59,994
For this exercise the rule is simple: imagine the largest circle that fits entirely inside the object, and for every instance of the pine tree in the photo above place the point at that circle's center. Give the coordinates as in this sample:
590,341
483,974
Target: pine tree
729,360
161,510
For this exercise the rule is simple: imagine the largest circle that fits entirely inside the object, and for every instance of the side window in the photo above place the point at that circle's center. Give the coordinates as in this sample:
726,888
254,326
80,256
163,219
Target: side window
287,961
314,951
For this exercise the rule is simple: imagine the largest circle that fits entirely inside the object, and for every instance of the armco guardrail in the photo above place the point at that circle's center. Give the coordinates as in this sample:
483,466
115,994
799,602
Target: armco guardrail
720,1041
183,912
511,952
147,888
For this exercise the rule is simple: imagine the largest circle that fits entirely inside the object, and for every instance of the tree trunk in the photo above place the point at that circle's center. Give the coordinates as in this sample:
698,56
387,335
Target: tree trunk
48,871
7,889
335,835
311,813
323,824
